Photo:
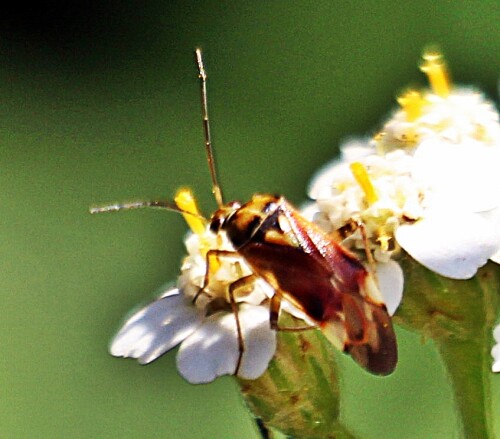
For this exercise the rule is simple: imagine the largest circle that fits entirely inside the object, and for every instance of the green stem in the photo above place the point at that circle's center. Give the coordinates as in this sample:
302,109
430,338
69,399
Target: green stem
459,315
471,388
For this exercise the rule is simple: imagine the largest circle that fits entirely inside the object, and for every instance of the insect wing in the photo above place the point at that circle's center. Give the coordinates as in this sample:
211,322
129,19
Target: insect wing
371,340
368,333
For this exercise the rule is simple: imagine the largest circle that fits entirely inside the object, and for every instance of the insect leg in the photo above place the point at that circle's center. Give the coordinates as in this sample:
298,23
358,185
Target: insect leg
211,254
233,287
368,253
274,315
240,283
275,311
347,230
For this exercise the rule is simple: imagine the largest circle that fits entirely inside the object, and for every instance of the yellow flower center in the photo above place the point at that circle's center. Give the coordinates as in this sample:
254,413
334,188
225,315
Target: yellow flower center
437,73
363,179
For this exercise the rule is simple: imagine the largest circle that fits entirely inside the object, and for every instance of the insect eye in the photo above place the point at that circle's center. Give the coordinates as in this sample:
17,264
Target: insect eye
216,223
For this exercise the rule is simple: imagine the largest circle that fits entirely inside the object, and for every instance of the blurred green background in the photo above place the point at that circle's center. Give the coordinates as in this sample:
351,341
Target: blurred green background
99,103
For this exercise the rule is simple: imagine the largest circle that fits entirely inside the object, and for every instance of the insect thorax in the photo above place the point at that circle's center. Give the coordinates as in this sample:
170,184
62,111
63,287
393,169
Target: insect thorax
251,221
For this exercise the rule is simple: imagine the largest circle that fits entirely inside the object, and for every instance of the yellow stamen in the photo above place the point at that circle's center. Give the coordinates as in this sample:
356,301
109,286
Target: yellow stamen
437,73
412,103
383,239
361,175
185,201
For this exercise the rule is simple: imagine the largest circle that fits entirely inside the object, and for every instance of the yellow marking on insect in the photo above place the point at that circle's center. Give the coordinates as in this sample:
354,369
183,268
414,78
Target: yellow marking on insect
185,201
437,72
363,179
411,102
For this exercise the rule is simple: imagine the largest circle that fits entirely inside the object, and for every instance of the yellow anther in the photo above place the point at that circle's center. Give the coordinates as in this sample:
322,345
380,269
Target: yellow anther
363,179
185,201
437,73
379,136
411,103
384,240
480,133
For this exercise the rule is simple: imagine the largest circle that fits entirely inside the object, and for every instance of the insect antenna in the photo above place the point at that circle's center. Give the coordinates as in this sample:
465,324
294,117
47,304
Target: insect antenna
166,205
216,189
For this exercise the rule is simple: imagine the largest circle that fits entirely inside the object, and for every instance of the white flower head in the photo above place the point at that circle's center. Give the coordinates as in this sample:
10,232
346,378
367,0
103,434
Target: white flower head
463,114
203,318
442,113
428,185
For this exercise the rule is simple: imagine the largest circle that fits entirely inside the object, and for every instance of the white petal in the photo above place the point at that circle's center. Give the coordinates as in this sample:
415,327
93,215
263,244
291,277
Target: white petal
308,210
493,217
452,244
261,291
156,328
495,353
356,148
391,282
465,174
496,257
351,150
260,342
323,179
496,334
213,350
289,308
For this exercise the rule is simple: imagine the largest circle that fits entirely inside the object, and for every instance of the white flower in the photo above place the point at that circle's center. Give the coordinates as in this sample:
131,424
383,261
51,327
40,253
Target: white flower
440,202
340,200
495,352
204,324
463,114
444,212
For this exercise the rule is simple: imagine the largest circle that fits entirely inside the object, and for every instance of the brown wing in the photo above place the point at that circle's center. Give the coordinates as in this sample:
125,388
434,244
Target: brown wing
367,326
371,340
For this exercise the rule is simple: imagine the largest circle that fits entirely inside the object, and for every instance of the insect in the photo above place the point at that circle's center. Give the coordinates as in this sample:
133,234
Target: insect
304,265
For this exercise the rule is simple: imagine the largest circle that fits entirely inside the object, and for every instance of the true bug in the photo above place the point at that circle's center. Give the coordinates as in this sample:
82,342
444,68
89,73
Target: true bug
303,264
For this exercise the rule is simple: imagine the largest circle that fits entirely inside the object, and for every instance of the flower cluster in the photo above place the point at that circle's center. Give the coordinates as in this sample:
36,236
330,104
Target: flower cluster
201,316
428,183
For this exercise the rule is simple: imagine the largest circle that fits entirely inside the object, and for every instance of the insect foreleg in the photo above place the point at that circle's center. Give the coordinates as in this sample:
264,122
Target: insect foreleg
211,255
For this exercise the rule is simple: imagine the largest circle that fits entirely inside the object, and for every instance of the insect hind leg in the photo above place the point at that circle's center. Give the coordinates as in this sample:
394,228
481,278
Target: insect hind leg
349,229
237,284
274,316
